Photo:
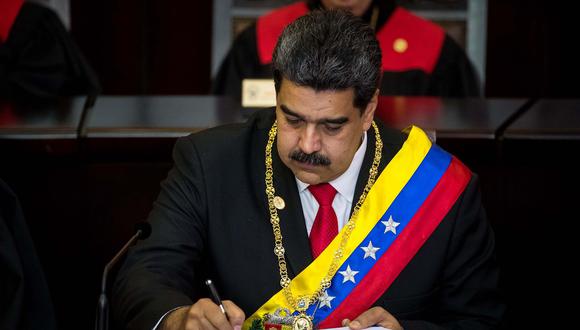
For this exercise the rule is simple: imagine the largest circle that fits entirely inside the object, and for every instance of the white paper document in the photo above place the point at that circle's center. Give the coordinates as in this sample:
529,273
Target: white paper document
347,328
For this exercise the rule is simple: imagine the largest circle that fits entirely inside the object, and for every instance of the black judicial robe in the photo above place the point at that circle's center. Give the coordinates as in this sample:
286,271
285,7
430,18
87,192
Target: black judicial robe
419,58
24,297
38,58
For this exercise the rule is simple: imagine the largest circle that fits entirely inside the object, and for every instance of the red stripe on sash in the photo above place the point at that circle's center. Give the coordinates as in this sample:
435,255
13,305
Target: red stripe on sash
405,246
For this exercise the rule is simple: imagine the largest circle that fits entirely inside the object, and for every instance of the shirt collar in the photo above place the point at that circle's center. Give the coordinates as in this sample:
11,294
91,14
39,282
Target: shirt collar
346,182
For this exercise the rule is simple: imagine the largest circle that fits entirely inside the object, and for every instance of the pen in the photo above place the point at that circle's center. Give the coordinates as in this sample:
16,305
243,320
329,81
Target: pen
215,296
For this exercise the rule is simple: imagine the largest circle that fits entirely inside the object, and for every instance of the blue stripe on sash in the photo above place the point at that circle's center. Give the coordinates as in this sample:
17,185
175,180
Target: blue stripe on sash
402,211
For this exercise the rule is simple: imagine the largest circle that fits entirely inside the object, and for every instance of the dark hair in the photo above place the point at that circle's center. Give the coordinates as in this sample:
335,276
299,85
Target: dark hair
329,50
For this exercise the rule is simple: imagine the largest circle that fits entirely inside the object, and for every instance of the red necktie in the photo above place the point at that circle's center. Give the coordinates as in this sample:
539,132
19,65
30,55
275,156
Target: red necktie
325,226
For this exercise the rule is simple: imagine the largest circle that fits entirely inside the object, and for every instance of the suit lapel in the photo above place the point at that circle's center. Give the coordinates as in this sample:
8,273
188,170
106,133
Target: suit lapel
292,223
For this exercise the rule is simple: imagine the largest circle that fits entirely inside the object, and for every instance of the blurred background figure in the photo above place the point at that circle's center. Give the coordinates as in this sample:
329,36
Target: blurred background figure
24,297
419,57
37,56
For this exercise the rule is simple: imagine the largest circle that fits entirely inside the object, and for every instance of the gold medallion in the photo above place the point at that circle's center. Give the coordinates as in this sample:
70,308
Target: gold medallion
302,322
400,45
279,203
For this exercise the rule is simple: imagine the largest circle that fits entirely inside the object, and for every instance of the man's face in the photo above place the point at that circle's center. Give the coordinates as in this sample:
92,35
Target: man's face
356,7
319,132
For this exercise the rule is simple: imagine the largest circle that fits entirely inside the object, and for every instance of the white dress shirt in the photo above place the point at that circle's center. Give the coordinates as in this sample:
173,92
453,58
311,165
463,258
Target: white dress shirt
344,185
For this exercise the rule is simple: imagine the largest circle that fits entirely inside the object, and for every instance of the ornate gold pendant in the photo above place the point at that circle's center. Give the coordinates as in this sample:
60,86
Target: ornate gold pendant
279,203
302,322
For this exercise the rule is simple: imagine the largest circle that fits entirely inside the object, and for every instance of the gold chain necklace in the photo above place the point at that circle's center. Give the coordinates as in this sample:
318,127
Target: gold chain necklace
302,303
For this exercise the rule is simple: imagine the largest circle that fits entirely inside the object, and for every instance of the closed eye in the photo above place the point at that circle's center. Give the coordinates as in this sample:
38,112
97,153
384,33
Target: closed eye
332,128
293,121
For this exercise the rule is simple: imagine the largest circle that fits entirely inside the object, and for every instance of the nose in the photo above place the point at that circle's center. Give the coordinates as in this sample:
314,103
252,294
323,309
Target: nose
309,139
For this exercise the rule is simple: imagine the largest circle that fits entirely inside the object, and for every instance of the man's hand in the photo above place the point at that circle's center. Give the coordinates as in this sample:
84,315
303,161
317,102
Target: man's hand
204,314
376,316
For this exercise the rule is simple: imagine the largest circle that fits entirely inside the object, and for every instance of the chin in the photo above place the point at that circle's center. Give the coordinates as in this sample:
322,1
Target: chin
308,177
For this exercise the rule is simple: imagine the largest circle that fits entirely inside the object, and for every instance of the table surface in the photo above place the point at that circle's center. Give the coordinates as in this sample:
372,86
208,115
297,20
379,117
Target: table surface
159,116
450,118
57,119
548,119
174,116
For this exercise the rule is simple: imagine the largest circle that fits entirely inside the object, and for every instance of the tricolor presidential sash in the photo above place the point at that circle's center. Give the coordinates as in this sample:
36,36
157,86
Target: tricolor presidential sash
409,199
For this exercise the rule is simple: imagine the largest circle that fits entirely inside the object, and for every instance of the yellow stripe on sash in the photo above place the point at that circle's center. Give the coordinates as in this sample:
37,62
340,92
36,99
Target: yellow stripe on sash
386,188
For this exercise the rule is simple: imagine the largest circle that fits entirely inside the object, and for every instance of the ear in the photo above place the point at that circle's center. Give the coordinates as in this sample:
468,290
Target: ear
369,113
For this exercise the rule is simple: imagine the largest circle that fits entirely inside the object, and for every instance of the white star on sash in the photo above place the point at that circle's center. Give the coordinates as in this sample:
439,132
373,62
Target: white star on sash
348,274
370,251
325,300
390,225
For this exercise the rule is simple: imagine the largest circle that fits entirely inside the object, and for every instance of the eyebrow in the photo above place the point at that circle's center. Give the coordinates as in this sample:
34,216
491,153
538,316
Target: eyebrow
335,121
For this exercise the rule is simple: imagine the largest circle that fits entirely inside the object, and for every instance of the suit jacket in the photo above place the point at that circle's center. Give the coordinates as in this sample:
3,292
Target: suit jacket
211,220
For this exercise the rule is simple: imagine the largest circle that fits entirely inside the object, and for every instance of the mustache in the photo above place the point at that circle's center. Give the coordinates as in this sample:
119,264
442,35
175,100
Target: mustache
311,159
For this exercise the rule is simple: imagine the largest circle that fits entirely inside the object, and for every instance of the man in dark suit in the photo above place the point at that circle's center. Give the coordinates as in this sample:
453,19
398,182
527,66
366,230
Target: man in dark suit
270,210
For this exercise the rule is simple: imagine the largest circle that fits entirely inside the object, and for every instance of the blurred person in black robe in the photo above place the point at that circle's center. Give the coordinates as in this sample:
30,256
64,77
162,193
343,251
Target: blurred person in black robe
38,58
419,58
24,296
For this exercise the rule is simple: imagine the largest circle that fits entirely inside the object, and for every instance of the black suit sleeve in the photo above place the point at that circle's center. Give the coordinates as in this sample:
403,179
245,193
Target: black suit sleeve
468,297
159,272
